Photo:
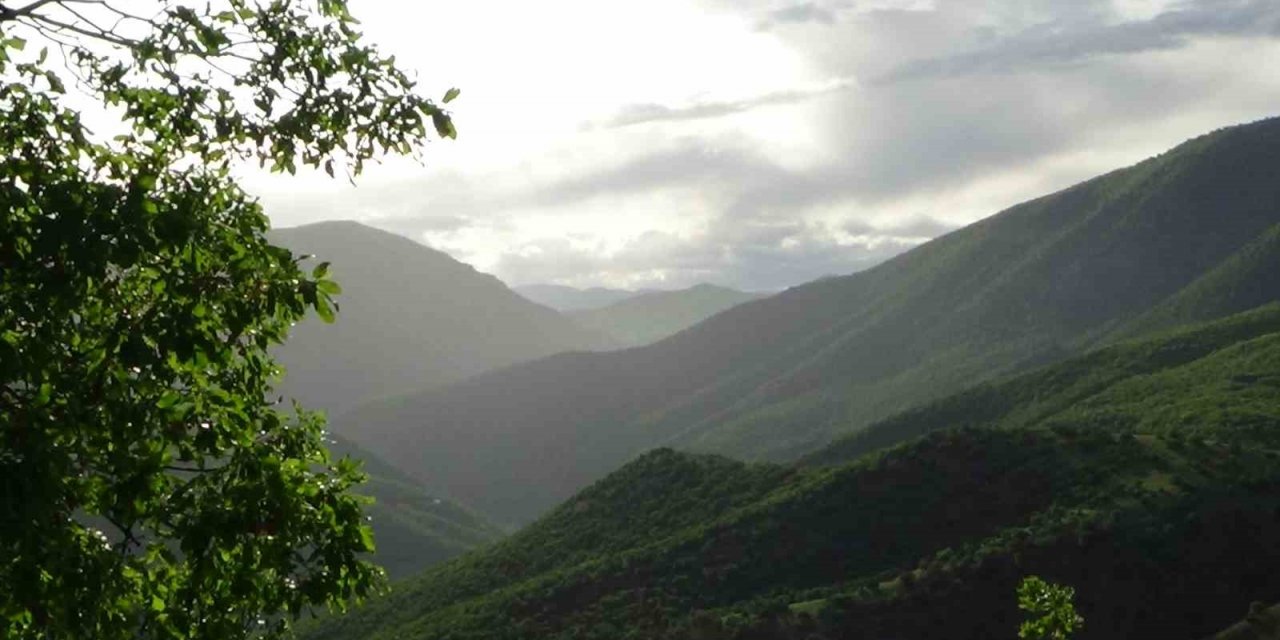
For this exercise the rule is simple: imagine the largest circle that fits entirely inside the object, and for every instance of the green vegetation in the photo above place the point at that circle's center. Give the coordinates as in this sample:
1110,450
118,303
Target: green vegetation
649,317
1051,609
1159,523
779,378
1245,280
148,487
1220,369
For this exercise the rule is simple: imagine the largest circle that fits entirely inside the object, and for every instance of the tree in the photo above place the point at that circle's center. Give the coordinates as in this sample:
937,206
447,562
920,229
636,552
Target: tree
1050,607
151,486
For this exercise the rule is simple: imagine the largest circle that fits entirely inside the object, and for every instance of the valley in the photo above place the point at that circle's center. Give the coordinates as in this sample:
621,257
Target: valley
812,473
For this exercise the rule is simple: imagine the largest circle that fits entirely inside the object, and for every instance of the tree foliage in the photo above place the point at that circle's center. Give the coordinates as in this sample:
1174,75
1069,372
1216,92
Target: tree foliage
1050,608
151,486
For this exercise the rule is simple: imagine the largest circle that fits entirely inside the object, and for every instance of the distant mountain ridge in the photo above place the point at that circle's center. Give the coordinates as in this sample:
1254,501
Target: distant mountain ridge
411,318
566,299
780,377
651,316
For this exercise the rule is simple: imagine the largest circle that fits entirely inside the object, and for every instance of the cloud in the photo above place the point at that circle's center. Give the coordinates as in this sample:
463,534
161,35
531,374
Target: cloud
652,112
805,13
758,257
1063,42
415,226
919,226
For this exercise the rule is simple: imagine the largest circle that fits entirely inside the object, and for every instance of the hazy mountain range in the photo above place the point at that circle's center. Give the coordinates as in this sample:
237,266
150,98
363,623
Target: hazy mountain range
1185,235
651,316
413,318
563,298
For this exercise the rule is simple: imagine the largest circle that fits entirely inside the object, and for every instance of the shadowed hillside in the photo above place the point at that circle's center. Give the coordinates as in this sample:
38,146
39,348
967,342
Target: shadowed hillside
412,528
780,377
411,318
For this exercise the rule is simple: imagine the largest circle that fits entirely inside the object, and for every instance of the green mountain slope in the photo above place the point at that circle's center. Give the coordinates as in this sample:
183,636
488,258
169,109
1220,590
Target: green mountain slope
650,317
1116,377
411,318
780,377
412,528
1164,523
1247,279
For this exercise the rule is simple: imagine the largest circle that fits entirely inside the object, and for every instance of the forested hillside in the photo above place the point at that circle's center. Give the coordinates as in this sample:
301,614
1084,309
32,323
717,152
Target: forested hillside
781,377
411,318
1146,477
1213,367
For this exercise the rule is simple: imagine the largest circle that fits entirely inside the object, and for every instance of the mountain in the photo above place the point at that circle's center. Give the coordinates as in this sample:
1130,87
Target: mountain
1118,376
650,317
562,298
411,318
1144,475
412,528
780,377
1246,279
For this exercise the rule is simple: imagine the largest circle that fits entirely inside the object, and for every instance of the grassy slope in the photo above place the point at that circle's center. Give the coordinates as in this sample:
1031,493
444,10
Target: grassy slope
650,317
777,378
1155,495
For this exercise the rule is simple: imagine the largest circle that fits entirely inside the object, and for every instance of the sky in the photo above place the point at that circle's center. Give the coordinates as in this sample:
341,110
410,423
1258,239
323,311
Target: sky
761,144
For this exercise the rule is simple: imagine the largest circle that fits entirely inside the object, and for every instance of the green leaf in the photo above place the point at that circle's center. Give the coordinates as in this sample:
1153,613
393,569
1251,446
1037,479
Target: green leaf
328,286
324,310
443,124
320,271
451,94
366,538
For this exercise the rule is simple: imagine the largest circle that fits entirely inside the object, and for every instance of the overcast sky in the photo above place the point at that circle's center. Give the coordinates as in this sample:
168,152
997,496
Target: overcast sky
764,143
